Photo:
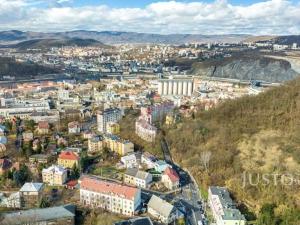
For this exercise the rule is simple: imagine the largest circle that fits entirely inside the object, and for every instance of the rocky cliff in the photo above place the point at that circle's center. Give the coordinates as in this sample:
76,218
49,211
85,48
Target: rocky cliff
247,68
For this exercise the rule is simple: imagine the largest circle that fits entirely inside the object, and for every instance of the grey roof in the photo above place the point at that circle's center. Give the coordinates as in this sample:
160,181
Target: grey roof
228,205
134,172
38,215
136,221
31,187
159,205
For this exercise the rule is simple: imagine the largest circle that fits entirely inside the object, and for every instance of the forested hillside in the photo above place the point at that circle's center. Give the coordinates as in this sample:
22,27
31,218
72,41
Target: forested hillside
9,66
254,134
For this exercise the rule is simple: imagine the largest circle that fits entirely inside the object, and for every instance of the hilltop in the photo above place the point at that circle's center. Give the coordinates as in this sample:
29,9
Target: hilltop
49,43
253,134
247,66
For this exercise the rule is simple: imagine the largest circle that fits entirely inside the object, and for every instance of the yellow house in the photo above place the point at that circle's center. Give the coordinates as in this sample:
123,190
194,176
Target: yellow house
68,159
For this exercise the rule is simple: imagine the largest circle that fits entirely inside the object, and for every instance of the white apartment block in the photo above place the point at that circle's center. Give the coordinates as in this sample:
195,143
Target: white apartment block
223,208
106,116
54,175
22,107
113,197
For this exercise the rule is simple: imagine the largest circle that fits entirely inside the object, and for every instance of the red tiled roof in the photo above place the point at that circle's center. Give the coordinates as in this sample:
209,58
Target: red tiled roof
43,125
101,186
68,155
171,173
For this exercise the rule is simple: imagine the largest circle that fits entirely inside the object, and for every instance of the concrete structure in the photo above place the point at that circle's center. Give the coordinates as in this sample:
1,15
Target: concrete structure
175,87
223,208
54,175
112,197
106,116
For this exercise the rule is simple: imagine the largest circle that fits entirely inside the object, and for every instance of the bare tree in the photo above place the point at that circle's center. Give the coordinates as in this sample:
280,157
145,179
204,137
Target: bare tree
205,158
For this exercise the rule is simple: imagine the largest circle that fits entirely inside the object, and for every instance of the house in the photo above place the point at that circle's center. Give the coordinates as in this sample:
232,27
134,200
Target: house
88,134
3,140
31,194
160,166
68,159
28,136
223,208
137,178
47,216
39,158
129,161
170,178
5,165
162,210
43,127
148,160
112,128
10,201
95,144
74,127
54,175
110,196
3,130
135,221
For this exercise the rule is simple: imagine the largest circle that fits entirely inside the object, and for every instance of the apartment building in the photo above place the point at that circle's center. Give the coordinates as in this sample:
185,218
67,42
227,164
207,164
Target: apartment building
106,116
223,208
112,197
170,178
95,144
54,175
118,145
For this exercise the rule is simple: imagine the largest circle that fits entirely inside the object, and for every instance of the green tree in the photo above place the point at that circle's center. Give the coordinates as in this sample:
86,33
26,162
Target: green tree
267,215
75,172
44,203
21,176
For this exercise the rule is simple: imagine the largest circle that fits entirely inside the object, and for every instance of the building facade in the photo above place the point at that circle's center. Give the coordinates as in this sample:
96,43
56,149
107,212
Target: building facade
112,197
106,116
55,175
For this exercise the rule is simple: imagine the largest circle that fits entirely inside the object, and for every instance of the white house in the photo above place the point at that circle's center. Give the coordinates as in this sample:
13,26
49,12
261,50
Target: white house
129,161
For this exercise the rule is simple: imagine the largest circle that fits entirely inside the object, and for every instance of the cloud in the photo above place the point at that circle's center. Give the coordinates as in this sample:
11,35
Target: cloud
219,17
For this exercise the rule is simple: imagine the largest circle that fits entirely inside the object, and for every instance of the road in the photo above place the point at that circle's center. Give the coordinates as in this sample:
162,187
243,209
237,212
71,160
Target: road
190,196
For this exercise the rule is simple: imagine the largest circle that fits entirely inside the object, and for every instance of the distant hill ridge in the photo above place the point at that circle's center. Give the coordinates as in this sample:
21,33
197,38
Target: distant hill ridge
116,37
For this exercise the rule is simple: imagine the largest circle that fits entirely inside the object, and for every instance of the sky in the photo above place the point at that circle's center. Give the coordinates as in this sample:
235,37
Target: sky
270,17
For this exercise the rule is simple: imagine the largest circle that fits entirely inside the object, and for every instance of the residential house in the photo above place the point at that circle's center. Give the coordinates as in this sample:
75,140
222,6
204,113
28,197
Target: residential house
129,161
148,160
27,136
43,127
162,210
54,175
110,196
39,158
10,201
160,166
137,178
68,159
74,127
170,178
5,165
31,194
